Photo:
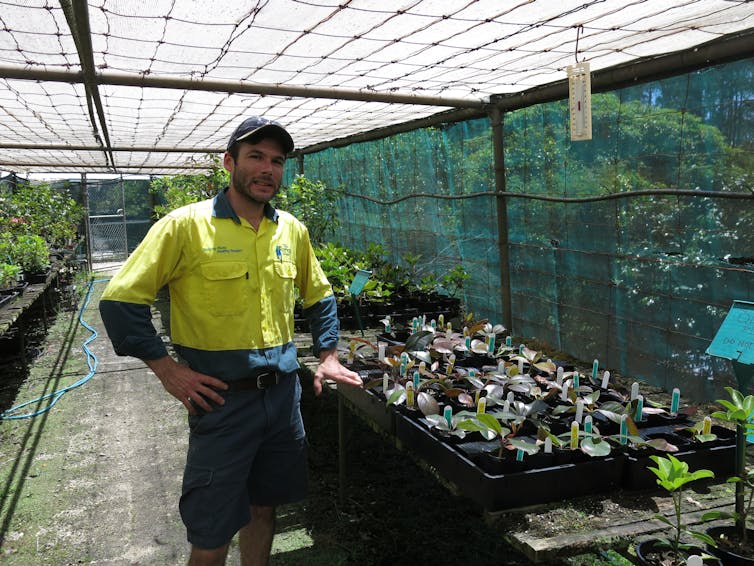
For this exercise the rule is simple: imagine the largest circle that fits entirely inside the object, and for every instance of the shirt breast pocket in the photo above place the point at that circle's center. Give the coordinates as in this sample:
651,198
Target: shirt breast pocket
226,287
285,275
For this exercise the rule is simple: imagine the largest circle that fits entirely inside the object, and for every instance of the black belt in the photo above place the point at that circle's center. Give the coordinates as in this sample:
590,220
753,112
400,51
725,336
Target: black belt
263,380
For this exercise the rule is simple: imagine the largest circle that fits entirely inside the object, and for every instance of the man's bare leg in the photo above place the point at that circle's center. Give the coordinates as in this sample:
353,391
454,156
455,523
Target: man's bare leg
255,538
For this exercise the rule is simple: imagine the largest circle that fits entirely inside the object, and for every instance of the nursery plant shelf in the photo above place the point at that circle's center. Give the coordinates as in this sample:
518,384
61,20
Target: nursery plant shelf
494,492
571,474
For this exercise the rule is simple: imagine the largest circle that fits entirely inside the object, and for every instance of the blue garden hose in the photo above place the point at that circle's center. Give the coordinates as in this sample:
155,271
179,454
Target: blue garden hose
91,362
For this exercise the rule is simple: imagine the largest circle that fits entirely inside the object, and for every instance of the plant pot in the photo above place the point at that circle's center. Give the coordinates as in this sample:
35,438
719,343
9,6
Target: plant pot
729,547
494,464
651,553
473,360
37,277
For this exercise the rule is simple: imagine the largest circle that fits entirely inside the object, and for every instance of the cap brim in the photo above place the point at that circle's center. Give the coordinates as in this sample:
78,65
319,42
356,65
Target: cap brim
269,130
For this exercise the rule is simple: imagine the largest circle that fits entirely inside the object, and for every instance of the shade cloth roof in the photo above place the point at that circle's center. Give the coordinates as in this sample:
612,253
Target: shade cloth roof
156,86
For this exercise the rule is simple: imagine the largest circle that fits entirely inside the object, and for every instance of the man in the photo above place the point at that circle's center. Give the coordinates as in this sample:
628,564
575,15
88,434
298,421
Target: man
231,264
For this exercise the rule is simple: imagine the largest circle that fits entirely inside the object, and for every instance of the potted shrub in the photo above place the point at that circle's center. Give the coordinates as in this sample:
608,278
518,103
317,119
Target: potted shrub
672,475
32,254
735,543
9,274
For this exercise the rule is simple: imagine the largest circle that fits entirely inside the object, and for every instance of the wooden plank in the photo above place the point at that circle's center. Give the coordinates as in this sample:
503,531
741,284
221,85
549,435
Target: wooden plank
11,312
608,526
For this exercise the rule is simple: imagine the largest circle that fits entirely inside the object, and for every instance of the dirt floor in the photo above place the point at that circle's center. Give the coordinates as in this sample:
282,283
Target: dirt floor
95,479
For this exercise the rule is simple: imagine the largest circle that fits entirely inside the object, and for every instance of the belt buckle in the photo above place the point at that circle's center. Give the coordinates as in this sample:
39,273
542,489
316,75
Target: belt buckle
261,376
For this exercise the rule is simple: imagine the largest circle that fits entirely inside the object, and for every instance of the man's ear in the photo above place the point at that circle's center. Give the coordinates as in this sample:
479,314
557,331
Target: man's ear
228,162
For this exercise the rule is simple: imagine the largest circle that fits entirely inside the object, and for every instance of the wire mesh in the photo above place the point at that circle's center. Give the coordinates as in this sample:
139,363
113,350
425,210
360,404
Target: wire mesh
153,87
639,282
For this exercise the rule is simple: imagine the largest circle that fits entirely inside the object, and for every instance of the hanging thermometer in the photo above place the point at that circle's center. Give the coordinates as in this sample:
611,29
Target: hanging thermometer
580,101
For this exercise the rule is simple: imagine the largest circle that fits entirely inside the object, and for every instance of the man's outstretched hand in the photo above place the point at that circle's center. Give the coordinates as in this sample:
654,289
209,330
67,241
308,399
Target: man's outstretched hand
330,368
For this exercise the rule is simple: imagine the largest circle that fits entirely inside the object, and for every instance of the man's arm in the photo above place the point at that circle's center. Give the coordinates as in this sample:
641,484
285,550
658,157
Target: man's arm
130,329
323,321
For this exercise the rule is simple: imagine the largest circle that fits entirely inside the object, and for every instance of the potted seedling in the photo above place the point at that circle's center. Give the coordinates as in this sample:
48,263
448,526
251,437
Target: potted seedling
735,543
672,475
511,451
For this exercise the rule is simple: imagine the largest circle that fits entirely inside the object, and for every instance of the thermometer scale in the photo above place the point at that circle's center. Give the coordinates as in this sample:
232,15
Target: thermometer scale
580,101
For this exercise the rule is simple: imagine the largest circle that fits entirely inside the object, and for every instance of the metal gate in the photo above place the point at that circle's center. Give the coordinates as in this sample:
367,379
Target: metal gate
119,214
108,236
106,222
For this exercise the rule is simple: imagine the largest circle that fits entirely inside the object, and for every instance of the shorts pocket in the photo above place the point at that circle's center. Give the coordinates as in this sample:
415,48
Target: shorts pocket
225,286
195,499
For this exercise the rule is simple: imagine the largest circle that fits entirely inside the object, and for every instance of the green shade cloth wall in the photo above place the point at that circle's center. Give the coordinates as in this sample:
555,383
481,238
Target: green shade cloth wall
640,283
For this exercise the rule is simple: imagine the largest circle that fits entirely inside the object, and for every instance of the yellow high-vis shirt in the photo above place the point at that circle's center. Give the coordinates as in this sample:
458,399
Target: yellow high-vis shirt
231,287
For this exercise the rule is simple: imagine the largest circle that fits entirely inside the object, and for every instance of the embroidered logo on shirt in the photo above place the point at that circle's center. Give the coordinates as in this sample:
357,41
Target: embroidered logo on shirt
222,250
283,253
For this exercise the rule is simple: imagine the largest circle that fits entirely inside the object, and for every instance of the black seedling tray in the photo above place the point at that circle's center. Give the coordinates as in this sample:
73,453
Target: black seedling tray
506,491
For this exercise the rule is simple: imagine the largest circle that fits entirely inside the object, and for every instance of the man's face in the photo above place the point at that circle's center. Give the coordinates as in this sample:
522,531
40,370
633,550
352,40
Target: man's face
258,171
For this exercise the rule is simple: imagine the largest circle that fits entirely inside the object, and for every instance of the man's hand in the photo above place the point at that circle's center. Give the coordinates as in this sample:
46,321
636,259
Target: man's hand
191,388
331,368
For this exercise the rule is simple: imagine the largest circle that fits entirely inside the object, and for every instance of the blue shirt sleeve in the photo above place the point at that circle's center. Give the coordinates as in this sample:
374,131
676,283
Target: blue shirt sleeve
130,329
324,324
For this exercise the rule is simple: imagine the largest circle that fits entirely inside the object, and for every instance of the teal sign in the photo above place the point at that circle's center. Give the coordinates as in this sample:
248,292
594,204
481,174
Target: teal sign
359,280
735,341
735,337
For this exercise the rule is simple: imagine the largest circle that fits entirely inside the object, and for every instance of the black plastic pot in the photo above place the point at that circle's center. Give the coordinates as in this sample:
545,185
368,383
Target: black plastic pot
727,553
646,550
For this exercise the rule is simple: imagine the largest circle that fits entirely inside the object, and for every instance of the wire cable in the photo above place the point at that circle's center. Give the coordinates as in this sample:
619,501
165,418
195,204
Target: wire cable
91,362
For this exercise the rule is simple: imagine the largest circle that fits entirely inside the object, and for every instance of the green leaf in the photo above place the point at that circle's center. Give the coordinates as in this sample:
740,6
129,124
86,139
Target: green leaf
595,447
662,444
664,519
672,474
527,447
397,396
422,356
704,537
419,341
490,422
715,515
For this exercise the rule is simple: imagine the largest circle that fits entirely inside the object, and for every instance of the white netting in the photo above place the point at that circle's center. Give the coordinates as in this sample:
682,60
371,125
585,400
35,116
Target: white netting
453,52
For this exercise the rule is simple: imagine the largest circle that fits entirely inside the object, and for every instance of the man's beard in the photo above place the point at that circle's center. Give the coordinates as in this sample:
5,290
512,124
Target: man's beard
241,183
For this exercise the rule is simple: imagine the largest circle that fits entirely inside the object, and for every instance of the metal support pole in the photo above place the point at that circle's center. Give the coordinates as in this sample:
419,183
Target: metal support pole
496,117
740,471
44,305
341,452
125,223
88,226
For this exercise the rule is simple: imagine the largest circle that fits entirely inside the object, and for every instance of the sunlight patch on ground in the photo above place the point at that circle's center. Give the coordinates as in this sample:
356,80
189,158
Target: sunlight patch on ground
292,540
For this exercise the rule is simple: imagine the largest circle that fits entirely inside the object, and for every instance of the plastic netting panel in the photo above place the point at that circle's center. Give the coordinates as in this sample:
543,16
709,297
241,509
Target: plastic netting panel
454,161
641,283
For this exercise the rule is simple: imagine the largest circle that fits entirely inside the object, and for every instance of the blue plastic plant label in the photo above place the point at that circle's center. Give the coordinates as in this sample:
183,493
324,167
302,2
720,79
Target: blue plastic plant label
359,280
735,337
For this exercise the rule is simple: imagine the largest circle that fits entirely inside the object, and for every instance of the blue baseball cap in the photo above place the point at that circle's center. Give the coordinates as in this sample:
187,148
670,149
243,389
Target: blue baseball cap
256,128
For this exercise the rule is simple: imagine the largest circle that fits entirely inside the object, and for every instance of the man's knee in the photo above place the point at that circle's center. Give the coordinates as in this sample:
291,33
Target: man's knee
208,556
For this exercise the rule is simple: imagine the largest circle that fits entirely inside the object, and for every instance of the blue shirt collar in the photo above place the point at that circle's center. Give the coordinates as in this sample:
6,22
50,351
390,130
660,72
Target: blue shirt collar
222,209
